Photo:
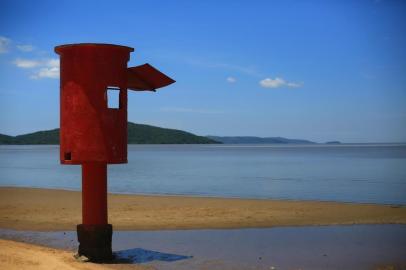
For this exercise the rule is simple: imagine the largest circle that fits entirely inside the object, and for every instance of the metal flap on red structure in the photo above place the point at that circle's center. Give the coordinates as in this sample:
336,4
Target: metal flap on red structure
146,78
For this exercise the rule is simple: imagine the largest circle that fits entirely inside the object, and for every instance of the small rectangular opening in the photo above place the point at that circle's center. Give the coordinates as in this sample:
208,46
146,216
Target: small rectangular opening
68,156
113,97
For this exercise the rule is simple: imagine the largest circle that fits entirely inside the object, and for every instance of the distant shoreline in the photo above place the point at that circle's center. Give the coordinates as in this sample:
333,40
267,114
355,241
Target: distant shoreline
207,196
245,144
147,134
56,210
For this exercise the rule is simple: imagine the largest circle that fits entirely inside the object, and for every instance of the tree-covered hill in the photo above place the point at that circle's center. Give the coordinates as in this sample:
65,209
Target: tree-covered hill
258,140
137,134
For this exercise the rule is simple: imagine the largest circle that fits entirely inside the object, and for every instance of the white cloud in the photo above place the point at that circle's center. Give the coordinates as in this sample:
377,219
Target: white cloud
231,79
51,70
294,85
277,83
26,63
25,48
46,68
4,44
54,62
47,72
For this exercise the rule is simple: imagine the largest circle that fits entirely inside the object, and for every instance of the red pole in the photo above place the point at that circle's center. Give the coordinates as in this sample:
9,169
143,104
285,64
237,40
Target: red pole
94,193
94,234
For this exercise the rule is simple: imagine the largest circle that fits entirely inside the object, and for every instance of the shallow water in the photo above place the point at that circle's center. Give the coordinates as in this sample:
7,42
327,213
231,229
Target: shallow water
373,173
317,247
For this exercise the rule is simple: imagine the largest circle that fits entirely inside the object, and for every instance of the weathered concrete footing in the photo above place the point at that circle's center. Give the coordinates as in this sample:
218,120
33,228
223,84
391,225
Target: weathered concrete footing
95,242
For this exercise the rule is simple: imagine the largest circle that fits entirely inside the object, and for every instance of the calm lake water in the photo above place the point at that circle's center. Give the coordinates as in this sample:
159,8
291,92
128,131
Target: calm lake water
373,173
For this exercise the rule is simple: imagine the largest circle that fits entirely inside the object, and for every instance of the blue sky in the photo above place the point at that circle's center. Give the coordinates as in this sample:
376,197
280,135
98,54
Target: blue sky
317,70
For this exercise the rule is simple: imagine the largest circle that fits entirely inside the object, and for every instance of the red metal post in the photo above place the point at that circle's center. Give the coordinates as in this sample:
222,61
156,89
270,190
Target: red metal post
94,193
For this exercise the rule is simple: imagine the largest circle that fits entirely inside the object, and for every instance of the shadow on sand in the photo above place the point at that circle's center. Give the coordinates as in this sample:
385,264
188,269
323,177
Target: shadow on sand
140,255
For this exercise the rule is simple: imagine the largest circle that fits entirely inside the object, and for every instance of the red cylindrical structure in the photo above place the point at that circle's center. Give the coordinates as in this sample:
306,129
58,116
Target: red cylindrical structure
90,130
94,193
93,133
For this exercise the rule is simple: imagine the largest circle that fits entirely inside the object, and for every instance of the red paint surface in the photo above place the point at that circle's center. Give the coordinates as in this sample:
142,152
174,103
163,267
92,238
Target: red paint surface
90,131
94,193
92,134
147,78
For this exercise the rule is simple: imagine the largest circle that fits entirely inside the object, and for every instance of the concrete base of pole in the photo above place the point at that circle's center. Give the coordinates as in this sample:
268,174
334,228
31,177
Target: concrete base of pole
95,242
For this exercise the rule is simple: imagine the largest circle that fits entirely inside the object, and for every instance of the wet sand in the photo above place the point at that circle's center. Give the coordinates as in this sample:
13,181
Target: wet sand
56,210
306,248
16,256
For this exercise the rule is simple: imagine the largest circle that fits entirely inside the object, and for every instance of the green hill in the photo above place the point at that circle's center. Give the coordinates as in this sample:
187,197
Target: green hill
5,139
258,140
39,137
145,134
137,134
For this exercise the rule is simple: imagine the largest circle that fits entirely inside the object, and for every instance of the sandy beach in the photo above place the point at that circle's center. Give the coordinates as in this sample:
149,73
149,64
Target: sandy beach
16,256
30,209
56,210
